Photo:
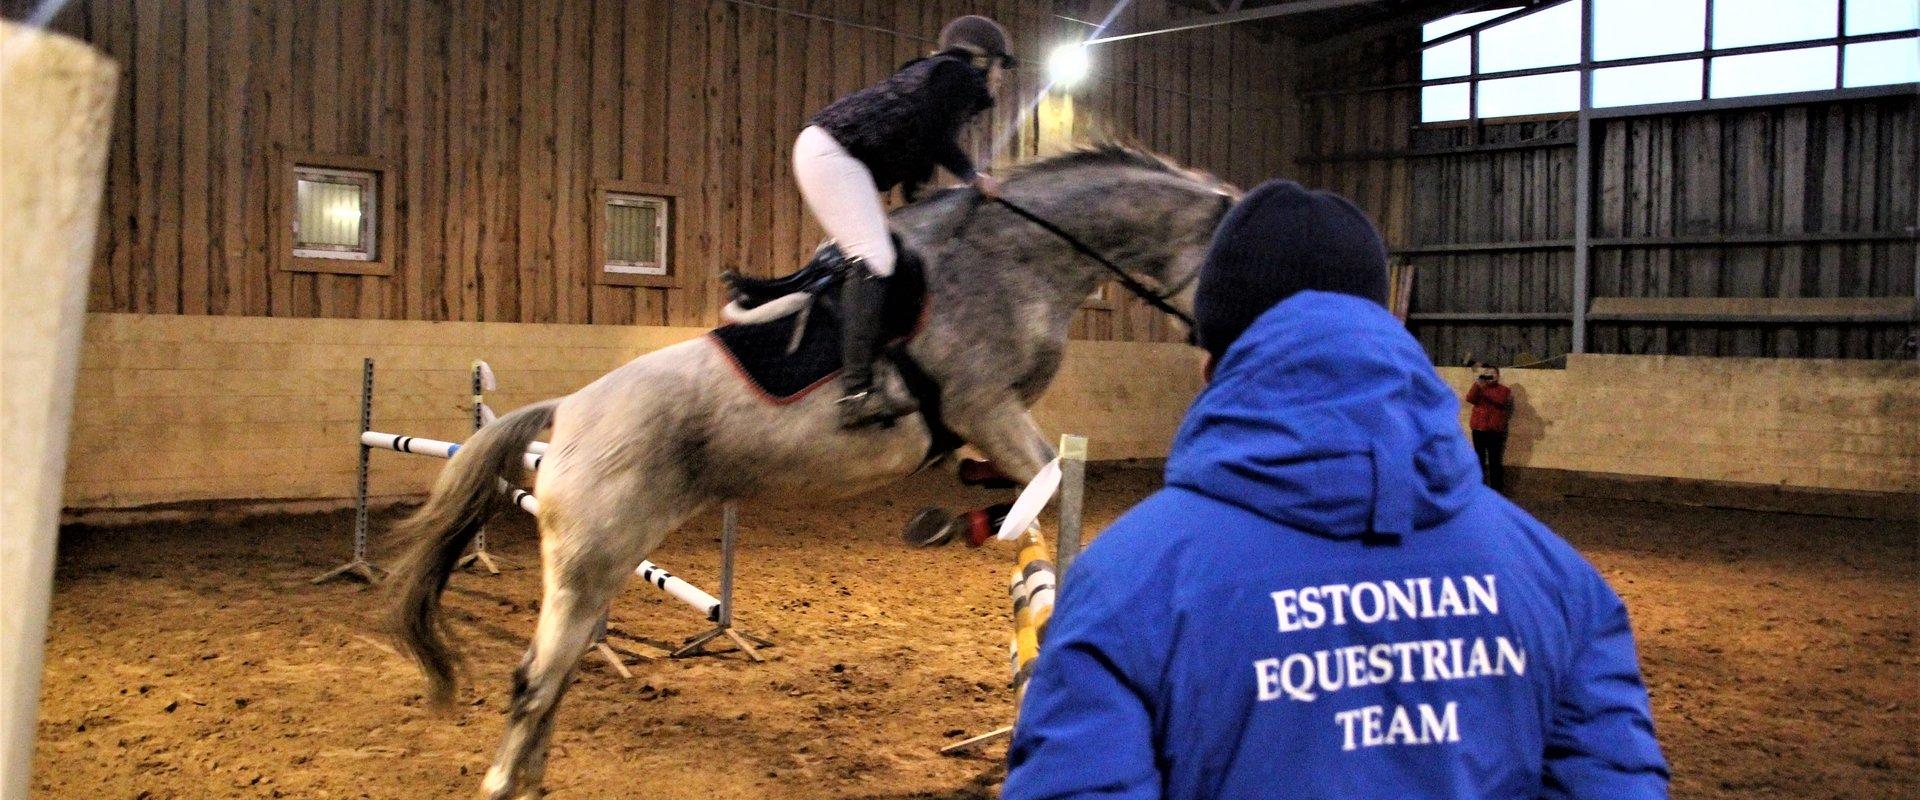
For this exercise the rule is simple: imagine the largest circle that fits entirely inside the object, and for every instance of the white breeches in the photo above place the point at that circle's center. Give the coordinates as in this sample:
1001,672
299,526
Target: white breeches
843,197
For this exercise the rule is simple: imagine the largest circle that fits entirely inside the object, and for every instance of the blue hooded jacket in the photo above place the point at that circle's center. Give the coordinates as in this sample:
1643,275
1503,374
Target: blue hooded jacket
1324,602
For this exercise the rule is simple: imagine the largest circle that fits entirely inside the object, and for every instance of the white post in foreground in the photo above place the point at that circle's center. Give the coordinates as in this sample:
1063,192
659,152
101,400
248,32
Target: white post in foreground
56,100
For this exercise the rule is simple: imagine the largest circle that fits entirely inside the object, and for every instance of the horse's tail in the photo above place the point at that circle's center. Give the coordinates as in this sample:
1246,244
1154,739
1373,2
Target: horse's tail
464,497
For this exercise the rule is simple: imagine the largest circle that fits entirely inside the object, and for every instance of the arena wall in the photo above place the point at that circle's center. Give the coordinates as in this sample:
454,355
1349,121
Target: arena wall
181,412
175,412
1846,425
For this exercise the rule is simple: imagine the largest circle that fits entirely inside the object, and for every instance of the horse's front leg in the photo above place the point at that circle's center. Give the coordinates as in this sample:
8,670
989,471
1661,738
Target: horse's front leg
1006,433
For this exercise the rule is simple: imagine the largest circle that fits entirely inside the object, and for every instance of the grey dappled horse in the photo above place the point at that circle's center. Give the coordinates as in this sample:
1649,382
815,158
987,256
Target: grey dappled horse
673,432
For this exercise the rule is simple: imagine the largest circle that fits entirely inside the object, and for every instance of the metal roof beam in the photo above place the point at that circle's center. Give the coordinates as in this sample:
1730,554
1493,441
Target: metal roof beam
1410,17
1248,15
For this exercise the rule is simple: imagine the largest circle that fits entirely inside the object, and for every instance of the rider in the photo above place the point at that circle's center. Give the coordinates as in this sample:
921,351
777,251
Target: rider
891,134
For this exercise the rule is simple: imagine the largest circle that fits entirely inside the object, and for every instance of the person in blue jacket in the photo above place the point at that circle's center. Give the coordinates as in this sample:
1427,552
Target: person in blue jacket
1324,601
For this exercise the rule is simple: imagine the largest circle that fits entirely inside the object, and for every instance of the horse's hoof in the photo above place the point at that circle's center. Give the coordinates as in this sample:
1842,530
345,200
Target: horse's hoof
932,527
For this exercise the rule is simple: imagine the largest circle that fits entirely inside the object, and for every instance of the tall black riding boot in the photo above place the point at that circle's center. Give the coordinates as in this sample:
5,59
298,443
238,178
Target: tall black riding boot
863,299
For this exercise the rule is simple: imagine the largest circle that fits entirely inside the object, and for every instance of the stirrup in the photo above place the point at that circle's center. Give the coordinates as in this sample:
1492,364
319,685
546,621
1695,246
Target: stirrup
870,407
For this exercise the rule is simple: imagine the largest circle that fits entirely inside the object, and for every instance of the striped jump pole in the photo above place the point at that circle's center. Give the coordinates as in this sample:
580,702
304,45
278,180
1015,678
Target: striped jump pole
1031,589
718,611
655,575
1036,579
422,446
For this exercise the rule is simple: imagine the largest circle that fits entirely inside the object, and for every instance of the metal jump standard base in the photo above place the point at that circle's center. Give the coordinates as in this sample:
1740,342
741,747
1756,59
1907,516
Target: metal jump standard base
359,567
482,381
723,627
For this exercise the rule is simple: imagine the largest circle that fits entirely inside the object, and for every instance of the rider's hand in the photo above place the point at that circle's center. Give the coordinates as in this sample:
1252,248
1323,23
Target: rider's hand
987,185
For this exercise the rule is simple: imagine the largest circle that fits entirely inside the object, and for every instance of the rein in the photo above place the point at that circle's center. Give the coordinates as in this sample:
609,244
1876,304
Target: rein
1156,299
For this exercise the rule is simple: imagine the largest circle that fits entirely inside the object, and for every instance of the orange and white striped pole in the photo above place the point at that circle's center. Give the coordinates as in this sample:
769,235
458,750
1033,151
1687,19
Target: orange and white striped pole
1035,579
1032,590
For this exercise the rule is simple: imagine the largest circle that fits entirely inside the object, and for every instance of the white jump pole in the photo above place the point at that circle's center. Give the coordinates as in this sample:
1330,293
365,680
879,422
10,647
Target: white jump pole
655,575
56,97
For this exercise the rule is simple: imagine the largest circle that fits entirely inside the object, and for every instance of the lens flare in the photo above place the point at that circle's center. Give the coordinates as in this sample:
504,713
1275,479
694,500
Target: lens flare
1067,64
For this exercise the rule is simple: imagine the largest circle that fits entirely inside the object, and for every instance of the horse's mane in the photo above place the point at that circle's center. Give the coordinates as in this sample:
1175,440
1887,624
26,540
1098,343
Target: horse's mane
1106,153
1109,154
1113,153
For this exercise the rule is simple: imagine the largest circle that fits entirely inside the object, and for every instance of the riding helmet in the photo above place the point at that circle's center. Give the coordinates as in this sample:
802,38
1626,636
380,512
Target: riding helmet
978,35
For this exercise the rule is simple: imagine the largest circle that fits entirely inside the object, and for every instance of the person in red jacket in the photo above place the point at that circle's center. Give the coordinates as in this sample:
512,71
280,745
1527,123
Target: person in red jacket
1492,405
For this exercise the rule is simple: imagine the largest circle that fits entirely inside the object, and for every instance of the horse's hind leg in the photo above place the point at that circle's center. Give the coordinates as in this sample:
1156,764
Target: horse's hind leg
576,593
586,564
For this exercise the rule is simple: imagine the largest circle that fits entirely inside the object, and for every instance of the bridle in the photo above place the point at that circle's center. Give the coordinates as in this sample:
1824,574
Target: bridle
1133,285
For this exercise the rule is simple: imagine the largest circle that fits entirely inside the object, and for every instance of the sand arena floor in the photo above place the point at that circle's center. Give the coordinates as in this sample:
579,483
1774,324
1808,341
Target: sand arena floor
195,661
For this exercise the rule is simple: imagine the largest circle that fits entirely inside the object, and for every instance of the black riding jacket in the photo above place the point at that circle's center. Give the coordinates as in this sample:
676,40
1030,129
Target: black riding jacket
901,127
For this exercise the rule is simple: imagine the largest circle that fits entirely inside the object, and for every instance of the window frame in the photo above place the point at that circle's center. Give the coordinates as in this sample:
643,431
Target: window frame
379,219
1587,64
369,182
606,192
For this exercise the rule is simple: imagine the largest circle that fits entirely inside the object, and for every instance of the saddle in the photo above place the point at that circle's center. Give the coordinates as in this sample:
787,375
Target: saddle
783,334
756,300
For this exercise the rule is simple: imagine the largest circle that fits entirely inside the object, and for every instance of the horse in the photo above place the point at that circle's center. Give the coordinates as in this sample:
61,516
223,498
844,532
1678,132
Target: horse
640,450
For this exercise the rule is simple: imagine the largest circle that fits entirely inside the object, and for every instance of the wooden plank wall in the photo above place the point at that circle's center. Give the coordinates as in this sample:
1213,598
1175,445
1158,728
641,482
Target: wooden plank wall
1834,167
500,116
1510,196
1848,166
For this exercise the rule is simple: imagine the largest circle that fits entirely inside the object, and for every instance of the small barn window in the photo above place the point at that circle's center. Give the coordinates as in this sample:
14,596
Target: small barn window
1549,38
635,234
1620,28
1742,23
1101,297
1531,94
335,214
1881,16
1665,82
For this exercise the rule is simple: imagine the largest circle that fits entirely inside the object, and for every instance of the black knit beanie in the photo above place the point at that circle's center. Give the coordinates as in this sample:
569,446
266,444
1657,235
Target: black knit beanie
1277,241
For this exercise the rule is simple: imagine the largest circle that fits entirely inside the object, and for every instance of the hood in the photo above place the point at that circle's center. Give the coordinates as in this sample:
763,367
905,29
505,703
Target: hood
1325,416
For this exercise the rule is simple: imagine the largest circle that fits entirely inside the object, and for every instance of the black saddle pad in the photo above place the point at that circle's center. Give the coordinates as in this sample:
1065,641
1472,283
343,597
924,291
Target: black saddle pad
760,351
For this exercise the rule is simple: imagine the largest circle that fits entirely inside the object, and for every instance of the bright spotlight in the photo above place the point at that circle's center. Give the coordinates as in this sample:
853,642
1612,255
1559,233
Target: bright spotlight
1067,64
